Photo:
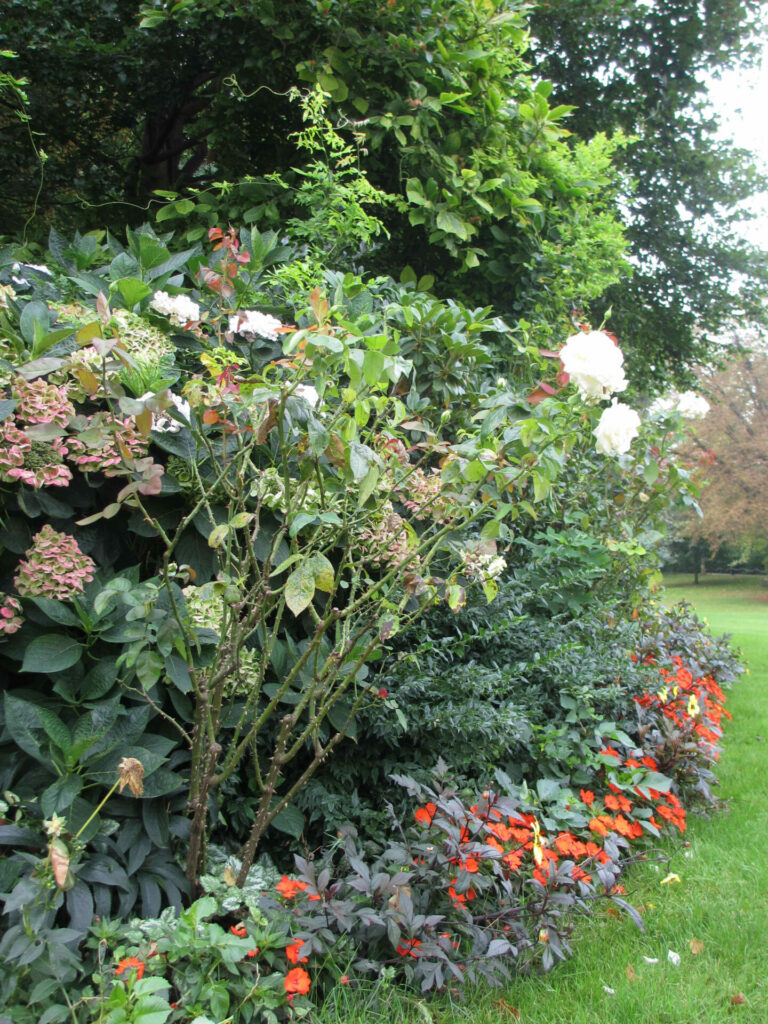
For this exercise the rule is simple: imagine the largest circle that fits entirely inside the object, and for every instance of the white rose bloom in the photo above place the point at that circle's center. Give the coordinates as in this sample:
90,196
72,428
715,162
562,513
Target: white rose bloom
692,406
595,364
308,393
250,321
618,427
662,406
181,309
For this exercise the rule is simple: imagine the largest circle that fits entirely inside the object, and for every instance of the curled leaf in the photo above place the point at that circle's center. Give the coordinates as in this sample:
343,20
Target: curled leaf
60,863
696,946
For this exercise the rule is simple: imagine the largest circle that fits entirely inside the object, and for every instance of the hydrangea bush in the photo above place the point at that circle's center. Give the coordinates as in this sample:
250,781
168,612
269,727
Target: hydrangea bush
220,509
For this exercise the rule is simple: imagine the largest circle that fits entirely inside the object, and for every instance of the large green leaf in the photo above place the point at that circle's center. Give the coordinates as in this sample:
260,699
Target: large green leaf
300,588
51,653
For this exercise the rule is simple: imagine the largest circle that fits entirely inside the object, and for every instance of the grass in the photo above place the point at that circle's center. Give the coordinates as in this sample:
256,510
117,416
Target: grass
716,918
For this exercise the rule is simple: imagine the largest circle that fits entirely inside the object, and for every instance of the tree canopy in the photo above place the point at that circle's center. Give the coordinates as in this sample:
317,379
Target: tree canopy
504,191
643,67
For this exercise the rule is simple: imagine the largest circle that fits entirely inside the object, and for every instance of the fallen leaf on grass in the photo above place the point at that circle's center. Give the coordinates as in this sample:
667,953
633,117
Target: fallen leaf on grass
513,1011
674,958
738,999
612,912
631,976
609,991
651,959
671,877
696,946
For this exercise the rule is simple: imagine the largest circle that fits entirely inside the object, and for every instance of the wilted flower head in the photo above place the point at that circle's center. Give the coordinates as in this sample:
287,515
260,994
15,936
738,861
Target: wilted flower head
180,308
595,364
53,826
250,321
131,774
618,427
55,567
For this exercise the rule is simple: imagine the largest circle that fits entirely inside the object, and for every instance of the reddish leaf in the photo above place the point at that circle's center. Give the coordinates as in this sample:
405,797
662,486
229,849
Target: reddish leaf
631,976
696,946
738,999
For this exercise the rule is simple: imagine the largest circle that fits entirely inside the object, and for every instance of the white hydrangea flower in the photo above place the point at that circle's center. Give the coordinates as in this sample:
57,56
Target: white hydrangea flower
618,427
250,321
594,364
180,308
692,406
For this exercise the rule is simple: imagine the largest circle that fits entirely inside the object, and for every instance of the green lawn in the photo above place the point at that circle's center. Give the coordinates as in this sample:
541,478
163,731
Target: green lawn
715,919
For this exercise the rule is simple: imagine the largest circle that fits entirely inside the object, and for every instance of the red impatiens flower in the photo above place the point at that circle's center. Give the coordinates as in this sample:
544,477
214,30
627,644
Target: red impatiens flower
131,963
587,796
292,952
297,982
290,887
239,930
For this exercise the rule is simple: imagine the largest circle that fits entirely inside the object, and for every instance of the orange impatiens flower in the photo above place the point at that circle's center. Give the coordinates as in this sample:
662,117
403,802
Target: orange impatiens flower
131,963
292,952
290,887
424,815
239,930
410,947
297,982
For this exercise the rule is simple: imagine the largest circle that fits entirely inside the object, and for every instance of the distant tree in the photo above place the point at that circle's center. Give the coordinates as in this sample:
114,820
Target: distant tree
730,448
643,67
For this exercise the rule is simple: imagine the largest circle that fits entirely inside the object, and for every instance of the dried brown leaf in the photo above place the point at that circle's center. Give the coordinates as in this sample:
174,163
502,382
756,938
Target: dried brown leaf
631,976
696,946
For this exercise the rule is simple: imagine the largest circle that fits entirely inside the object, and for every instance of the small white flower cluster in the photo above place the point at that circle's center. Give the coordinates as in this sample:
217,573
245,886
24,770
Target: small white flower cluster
250,321
594,362
483,565
180,308
689,405
618,427
165,424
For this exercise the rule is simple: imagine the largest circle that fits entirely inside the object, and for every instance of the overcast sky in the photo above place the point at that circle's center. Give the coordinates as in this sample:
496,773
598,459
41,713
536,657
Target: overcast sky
741,100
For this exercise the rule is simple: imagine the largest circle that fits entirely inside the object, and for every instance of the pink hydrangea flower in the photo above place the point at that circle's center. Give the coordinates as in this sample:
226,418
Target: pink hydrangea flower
421,495
10,614
109,452
55,567
39,402
35,463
